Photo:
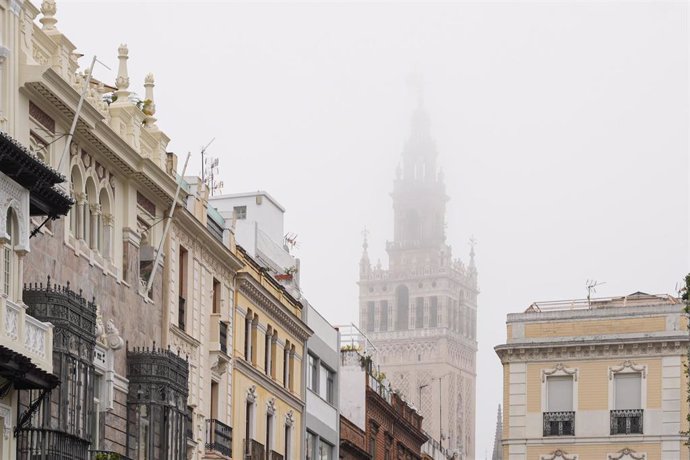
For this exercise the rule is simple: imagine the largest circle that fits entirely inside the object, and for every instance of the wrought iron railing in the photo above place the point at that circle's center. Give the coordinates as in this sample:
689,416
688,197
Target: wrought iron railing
55,445
626,421
223,337
559,423
276,456
254,450
218,437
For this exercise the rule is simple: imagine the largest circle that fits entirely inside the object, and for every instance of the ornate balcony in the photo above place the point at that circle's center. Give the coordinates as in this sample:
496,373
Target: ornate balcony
218,344
26,335
559,423
626,421
254,450
46,443
218,437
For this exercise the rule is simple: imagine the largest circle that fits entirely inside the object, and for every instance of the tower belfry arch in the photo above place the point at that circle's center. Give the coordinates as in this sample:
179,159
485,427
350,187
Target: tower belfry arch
421,311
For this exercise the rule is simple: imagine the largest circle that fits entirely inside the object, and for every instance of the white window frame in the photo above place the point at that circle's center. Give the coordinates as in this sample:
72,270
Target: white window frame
628,367
556,371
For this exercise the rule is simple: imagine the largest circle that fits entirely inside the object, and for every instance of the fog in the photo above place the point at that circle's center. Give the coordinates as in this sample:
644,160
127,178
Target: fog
562,130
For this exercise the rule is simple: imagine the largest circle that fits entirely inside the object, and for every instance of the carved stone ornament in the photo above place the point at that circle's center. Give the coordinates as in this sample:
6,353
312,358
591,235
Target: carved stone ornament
559,455
6,414
251,394
114,341
627,364
271,406
290,418
626,454
558,369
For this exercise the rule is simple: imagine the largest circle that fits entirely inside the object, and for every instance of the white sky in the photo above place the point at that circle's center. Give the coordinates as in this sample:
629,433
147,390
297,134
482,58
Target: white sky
562,129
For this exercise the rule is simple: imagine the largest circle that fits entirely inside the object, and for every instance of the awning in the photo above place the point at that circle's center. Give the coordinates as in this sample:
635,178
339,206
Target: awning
24,374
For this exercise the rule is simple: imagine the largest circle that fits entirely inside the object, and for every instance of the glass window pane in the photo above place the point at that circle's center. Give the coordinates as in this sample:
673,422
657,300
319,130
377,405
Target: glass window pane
559,393
627,391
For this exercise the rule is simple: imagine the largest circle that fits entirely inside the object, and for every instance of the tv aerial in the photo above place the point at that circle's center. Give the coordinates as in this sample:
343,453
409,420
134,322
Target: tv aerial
592,288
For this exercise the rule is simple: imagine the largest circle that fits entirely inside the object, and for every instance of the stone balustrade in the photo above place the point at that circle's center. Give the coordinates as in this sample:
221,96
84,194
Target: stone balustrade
26,335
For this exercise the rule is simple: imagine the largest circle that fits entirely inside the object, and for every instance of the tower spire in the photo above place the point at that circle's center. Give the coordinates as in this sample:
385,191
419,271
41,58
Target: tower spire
498,437
364,264
473,243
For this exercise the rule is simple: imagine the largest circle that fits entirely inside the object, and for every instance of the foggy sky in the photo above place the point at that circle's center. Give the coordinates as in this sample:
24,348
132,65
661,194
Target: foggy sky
562,129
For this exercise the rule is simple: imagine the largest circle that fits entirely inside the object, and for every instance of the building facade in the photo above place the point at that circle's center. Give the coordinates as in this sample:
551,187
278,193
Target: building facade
269,352
596,379
144,373
421,312
323,362
392,428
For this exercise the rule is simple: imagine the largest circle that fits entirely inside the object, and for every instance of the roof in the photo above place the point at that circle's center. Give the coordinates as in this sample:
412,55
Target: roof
249,195
22,166
24,374
635,299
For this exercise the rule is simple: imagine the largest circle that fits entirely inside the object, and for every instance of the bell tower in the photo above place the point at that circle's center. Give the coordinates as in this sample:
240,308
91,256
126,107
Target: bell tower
421,311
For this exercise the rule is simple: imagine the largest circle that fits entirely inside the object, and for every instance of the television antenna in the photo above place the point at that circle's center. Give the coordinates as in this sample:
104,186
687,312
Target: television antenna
592,288
290,241
209,170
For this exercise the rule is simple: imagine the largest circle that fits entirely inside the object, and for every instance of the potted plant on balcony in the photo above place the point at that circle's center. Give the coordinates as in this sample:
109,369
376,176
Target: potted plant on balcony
288,275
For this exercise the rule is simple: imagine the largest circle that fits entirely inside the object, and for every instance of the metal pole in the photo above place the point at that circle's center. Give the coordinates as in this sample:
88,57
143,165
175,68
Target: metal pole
76,113
440,414
167,225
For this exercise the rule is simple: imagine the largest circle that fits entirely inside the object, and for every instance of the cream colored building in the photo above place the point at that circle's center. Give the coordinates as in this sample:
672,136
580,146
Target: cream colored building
596,380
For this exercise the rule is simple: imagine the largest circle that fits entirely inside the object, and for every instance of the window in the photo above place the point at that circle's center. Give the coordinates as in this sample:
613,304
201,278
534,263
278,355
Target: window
433,311
313,374
269,434
9,252
182,287
311,446
419,313
216,296
96,420
291,382
267,350
626,417
214,400
288,442
383,326
252,349
248,336
330,387
325,450
402,300
274,352
371,314
286,364
248,419
240,212
559,418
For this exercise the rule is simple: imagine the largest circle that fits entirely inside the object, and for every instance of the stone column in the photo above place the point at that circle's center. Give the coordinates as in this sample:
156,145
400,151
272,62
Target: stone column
95,217
19,281
79,209
108,221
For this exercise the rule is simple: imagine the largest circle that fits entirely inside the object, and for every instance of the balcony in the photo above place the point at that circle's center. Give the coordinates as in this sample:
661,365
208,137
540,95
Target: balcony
626,421
254,450
218,344
218,437
181,313
52,444
107,455
276,456
559,423
24,334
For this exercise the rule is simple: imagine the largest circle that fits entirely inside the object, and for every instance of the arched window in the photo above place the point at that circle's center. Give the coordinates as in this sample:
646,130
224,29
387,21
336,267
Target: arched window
402,302
91,214
104,224
76,189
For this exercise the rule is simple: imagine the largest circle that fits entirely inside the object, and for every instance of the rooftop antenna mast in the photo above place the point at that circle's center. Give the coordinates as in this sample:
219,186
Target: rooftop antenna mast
209,171
592,288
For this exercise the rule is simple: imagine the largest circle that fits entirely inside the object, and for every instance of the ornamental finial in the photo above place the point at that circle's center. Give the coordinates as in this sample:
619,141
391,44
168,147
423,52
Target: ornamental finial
149,108
122,80
48,9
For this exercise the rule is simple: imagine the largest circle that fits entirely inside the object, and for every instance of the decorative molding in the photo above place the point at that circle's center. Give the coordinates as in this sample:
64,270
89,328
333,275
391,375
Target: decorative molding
6,414
560,454
630,366
251,394
649,347
271,406
627,454
40,116
253,290
558,369
290,418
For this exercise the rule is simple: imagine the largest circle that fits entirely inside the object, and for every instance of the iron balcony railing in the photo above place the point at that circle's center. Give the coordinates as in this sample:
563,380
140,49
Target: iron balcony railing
34,443
223,337
559,423
254,450
107,455
626,421
218,437
276,456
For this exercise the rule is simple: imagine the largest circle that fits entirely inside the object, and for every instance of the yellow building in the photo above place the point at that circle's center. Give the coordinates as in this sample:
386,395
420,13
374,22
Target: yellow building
598,379
269,346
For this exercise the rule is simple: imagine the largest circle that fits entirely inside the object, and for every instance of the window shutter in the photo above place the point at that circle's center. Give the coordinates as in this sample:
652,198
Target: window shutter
628,391
560,393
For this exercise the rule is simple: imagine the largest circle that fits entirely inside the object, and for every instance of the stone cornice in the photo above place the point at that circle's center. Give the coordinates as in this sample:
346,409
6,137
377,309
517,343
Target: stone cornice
258,294
588,314
269,384
522,352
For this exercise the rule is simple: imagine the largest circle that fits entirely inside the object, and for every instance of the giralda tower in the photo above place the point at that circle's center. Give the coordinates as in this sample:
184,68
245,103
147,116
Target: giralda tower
421,312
